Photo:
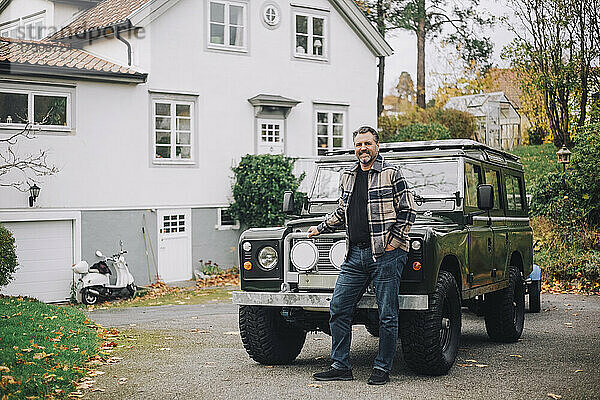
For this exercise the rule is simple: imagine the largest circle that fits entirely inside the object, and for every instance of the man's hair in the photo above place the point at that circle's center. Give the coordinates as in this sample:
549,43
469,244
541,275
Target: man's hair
366,129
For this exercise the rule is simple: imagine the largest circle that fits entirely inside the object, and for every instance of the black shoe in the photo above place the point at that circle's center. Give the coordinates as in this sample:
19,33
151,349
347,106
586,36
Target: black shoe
333,374
378,377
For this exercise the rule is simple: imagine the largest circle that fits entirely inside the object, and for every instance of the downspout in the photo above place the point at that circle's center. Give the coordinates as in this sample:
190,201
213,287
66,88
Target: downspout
118,36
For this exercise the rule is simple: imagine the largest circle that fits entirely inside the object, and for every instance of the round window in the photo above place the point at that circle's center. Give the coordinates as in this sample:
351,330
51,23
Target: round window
271,15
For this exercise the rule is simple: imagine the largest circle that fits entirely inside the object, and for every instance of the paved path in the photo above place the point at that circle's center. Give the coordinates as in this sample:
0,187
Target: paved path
195,352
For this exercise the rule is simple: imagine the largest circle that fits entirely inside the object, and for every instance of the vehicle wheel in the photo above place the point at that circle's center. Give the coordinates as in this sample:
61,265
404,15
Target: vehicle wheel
131,288
430,338
88,298
373,329
267,337
534,296
505,310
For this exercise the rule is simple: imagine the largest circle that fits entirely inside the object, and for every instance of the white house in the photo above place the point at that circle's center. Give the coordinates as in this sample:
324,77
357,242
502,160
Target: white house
145,105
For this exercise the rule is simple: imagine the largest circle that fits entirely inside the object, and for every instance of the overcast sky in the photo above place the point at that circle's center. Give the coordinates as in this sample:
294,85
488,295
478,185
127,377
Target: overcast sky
437,60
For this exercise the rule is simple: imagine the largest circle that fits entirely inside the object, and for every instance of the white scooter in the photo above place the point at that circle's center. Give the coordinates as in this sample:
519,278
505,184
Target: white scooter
94,284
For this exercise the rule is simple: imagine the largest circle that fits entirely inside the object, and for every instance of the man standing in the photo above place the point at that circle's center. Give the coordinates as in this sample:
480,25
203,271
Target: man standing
378,211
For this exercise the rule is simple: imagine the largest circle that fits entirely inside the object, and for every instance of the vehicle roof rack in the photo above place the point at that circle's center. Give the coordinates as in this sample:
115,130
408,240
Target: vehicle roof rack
447,144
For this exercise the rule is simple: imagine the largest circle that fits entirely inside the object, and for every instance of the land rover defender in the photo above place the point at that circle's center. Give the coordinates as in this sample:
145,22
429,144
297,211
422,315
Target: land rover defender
471,246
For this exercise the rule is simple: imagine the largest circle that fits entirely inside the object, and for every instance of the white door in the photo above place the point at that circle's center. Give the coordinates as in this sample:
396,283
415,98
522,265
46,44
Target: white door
45,256
174,245
270,136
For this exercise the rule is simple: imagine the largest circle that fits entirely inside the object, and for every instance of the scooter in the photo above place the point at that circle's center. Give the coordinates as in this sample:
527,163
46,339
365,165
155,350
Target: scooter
94,284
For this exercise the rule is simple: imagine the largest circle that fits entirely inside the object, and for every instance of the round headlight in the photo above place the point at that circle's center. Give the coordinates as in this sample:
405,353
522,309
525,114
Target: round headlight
304,255
267,258
416,245
247,246
337,253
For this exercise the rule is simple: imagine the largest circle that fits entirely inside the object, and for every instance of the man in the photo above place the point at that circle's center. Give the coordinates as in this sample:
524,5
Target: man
378,211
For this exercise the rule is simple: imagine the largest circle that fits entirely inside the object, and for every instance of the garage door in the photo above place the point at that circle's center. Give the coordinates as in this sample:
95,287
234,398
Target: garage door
45,255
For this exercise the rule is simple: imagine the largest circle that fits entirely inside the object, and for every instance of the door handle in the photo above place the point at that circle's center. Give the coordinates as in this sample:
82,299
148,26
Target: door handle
490,245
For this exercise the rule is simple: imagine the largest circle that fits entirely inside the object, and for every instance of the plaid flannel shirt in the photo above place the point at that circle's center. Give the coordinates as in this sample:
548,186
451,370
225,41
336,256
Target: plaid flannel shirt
390,206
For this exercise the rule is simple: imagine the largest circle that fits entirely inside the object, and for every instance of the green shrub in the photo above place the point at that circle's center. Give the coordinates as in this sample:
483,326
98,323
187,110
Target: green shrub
537,134
538,161
260,181
8,256
420,131
460,125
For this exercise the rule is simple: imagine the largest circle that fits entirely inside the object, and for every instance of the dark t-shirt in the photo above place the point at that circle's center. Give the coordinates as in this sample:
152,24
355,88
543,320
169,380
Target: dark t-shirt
358,223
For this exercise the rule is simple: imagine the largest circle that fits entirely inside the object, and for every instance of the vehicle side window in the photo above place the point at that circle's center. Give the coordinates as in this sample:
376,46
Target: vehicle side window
491,178
513,193
472,179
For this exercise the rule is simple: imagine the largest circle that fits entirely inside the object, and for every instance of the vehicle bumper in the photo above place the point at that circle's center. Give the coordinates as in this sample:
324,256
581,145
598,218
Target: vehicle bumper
321,300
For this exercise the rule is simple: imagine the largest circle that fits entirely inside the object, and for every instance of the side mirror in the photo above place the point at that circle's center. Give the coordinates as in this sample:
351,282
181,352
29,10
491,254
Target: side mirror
485,197
288,202
99,253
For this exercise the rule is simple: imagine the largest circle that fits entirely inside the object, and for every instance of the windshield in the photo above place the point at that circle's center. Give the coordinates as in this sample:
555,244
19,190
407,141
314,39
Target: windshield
428,179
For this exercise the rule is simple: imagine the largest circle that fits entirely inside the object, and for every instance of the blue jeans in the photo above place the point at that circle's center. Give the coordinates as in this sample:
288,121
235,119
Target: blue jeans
356,272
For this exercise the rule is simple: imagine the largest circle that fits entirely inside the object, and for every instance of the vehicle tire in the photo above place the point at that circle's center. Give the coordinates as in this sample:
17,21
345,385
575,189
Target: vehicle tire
132,289
267,337
505,310
430,338
373,329
534,290
88,298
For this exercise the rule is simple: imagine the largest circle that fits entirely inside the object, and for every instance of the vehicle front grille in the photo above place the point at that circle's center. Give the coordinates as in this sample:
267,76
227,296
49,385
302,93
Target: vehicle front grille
324,265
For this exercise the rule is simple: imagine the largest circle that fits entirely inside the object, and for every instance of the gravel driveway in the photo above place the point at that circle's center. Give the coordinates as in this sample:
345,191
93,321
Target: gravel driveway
195,352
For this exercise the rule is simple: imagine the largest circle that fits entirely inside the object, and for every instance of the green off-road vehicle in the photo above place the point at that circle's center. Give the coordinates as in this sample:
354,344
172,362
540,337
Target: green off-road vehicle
471,246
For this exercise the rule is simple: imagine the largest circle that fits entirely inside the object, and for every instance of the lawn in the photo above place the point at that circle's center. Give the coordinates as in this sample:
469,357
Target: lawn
538,160
43,348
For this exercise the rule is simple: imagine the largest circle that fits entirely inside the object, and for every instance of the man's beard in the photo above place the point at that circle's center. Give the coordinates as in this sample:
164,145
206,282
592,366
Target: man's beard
365,160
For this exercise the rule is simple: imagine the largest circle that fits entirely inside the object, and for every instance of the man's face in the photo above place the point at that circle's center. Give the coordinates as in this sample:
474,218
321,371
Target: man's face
366,148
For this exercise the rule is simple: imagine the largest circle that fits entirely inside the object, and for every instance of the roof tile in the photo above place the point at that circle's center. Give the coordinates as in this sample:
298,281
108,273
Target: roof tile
58,55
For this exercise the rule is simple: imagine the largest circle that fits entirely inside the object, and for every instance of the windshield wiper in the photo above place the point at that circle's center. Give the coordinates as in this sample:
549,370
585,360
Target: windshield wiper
419,200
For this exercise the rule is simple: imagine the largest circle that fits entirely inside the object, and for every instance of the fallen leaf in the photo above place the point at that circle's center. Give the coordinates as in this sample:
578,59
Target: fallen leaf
268,366
481,365
516,355
473,361
554,396
165,349
465,365
578,370
4,368
314,385
232,333
96,373
122,381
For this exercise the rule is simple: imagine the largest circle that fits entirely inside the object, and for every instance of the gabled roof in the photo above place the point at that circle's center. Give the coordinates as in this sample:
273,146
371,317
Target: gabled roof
129,13
107,13
32,57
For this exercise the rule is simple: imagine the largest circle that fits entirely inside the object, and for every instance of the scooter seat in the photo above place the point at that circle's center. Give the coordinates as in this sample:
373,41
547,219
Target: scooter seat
101,267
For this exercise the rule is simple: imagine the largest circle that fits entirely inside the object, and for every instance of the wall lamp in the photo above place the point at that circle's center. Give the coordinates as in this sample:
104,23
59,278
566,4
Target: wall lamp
34,192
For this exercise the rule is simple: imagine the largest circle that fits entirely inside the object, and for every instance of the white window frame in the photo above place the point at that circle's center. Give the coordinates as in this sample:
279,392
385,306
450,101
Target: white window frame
219,226
310,38
330,125
173,132
21,25
227,25
30,111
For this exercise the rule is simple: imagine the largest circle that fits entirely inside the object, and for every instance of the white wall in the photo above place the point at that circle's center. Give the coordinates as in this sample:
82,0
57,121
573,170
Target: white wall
21,8
106,163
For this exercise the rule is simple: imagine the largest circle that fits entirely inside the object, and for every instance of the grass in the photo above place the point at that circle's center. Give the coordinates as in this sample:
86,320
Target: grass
538,160
43,348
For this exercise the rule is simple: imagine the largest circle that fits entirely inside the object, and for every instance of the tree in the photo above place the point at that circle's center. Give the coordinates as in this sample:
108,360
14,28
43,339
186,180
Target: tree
260,181
555,47
403,96
19,170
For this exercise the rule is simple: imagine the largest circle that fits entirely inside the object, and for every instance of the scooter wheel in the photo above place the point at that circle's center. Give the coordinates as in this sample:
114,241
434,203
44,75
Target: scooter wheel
88,298
131,288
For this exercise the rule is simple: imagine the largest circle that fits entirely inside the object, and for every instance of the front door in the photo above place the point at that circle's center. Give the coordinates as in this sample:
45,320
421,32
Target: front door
174,245
270,136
